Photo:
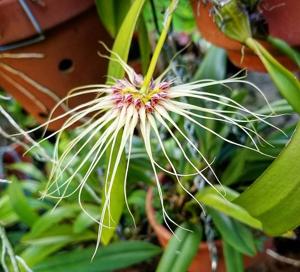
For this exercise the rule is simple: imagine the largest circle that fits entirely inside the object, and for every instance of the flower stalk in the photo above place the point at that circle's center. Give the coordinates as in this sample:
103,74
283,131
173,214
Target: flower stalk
159,46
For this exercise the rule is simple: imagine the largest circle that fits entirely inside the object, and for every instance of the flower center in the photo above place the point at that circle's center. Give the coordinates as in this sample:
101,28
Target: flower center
126,93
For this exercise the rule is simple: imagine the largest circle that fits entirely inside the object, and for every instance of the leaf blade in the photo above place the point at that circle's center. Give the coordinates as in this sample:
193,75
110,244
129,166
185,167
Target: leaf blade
277,191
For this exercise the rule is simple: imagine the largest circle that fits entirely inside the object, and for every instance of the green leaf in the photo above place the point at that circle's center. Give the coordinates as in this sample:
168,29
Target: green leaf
7,213
274,198
83,221
51,241
235,168
213,65
50,219
112,214
20,204
115,70
112,14
35,254
123,39
284,47
213,199
181,249
144,44
233,259
29,169
59,234
285,81
106,12
110,258
234,233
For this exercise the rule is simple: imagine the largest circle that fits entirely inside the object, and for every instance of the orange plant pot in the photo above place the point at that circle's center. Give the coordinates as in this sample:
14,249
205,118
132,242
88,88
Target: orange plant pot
202,260
239,54
72,31
283,19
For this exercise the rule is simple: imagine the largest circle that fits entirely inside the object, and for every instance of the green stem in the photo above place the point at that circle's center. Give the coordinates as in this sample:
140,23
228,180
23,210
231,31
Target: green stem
9,249
159,47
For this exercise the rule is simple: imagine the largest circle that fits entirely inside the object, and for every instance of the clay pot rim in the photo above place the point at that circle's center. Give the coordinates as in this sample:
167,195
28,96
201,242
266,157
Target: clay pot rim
49,21
224,41
158,228
207,26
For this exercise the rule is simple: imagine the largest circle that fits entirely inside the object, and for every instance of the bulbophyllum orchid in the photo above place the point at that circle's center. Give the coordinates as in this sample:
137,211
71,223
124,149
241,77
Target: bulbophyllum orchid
146,105
121,109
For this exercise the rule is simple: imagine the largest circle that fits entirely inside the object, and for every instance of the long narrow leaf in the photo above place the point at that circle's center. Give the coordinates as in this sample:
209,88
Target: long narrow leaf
234,233
213,199
115,256
287,83
20,204
115,70
233,259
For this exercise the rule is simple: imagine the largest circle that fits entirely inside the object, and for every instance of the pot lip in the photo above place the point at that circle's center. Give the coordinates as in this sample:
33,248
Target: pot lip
19,26
159,229
220,39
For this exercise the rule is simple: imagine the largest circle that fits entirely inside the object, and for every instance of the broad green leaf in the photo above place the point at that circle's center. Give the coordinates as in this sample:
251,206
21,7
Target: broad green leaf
188,250
213,199
106,12
233,259
233,233
137,198
184,21
20,204
274,198
112,214
112,13
279,106
123,40
110,258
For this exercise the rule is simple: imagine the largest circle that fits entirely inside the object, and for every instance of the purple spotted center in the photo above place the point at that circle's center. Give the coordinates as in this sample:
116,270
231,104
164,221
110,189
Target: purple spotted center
126,93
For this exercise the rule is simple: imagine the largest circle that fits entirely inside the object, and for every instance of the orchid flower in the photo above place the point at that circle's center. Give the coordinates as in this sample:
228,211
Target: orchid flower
121,109
146,105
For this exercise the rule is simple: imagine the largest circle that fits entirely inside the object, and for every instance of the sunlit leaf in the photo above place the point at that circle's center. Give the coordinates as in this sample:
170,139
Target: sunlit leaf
274,198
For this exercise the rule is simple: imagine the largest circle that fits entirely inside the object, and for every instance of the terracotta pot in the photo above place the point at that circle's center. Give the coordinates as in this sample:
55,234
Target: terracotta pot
283,19
202,260
72,30
240,55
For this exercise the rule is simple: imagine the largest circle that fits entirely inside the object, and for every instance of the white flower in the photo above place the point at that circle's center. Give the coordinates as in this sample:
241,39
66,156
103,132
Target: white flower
126,106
